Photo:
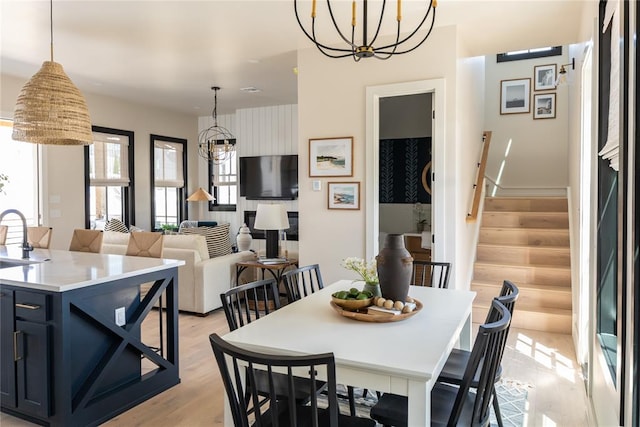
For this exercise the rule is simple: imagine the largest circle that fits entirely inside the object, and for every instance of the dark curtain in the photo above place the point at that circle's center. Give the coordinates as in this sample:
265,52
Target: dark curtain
402,168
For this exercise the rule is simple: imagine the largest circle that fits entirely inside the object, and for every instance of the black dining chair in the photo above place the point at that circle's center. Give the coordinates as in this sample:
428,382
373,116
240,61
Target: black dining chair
245,303
246,405
456,363
431,273
302,282
463,404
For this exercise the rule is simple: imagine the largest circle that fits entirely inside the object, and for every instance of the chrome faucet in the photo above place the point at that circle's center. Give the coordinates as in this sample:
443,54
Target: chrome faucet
26,247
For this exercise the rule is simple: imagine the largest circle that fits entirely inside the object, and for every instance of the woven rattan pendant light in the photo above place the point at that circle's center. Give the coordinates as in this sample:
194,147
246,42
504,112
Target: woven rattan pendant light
50,109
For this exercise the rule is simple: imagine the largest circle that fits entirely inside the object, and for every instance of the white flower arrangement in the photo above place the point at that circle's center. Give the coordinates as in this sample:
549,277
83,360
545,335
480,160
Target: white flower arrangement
368,271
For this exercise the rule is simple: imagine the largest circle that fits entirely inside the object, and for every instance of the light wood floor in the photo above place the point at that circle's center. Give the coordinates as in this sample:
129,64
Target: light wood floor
545,361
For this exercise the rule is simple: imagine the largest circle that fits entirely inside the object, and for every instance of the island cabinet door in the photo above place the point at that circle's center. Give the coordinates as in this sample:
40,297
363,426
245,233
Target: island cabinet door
7,355
32,368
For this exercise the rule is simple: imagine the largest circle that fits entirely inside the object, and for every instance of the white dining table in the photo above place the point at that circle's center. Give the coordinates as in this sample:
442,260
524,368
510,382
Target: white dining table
403,357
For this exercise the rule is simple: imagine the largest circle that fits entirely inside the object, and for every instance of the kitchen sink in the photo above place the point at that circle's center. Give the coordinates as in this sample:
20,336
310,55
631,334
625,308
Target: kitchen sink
7,263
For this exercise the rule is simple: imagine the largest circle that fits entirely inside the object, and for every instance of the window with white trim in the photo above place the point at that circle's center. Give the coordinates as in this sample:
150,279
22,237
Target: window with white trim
168,194
109,167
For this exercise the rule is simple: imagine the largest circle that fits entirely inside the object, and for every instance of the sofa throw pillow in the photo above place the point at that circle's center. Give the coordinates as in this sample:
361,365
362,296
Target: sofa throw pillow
218,242
116,225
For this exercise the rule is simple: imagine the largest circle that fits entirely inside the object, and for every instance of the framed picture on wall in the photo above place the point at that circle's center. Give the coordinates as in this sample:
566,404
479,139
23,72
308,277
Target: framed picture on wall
331,157
344,195
544,77
544,106
514,96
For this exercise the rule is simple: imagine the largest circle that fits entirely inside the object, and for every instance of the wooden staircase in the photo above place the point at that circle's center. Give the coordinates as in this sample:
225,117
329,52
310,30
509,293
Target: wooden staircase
526,240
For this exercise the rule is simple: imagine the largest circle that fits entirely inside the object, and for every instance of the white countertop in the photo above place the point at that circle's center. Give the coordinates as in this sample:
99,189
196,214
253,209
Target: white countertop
60,271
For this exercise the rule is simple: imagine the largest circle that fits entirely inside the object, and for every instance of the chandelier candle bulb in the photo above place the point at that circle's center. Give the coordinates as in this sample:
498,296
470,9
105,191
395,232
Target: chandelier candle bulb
353,13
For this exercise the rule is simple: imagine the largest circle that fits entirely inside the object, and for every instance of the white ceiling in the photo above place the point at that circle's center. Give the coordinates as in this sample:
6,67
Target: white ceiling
169,53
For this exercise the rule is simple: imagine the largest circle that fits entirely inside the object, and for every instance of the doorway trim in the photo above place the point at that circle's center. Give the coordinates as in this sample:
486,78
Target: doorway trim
372,222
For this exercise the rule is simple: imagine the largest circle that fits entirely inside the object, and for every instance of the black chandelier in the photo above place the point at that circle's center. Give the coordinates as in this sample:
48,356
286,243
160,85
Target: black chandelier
216,143
365,47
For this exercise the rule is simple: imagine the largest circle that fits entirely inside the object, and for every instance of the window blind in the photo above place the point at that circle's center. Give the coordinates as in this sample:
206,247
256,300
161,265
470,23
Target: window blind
109,160
168,164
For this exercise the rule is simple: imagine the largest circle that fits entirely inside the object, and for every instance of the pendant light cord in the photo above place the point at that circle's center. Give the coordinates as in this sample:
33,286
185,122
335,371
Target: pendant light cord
51,26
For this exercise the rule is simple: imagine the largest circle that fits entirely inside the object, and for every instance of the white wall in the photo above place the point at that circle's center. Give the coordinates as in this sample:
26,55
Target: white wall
538,155
470,103
63,166
331,103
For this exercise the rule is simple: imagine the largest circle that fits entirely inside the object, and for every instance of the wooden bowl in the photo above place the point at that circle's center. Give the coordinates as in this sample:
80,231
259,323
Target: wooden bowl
351,304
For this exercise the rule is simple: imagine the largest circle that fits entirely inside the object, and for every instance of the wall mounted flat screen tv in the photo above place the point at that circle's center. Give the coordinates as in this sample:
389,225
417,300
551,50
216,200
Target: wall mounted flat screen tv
273,177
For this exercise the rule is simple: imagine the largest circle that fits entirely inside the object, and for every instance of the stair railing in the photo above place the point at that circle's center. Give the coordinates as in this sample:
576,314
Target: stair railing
477,187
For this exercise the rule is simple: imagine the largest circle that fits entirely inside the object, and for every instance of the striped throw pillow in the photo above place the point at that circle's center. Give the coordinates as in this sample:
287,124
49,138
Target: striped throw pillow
218,242
116,225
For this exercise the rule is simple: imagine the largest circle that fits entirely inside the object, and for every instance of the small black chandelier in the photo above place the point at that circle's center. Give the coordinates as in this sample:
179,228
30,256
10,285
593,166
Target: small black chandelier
216,143
365,47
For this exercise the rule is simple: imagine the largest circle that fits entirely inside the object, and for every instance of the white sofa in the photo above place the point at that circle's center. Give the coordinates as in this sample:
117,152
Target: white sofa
202,279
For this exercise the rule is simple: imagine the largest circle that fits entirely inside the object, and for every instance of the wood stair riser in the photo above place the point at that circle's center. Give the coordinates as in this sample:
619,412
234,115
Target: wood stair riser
554,276
558,220
523,255
532,320
542,204
530,296
532,237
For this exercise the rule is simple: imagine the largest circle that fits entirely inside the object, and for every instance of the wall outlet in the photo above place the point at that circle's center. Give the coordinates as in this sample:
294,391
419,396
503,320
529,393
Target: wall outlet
120,316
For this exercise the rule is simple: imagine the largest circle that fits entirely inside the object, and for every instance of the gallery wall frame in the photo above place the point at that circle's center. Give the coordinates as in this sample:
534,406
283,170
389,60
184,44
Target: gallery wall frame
544,106
343,195
515,95
544,77
331,157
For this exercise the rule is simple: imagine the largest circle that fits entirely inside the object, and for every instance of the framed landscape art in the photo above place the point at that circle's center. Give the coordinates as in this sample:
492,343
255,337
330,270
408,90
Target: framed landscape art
514,96
544,106
331,157
344,195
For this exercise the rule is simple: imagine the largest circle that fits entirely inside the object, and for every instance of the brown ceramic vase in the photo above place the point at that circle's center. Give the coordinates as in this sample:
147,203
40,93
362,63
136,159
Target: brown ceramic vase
395,266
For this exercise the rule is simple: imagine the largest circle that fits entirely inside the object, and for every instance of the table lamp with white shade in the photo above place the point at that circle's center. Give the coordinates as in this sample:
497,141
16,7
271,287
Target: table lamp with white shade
271,218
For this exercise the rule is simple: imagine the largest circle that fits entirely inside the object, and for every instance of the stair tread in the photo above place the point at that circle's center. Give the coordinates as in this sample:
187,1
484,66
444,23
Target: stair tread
523,246
525,286
520,265
550,230
526,197
501,212
524,307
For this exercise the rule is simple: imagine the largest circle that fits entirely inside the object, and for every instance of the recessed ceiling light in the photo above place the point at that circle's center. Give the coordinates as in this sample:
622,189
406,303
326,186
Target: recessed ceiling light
250,89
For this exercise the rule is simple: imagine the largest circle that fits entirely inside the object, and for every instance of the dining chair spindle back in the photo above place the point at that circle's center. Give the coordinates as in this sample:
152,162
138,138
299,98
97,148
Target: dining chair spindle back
431,273
246,303
456,363
241,370
302,281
